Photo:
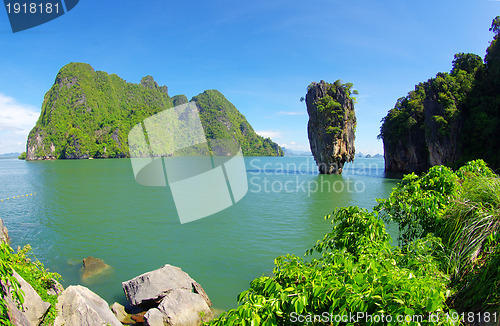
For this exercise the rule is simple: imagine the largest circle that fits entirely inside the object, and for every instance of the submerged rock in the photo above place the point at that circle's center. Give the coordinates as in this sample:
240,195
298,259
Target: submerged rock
77,305
332,125
93,266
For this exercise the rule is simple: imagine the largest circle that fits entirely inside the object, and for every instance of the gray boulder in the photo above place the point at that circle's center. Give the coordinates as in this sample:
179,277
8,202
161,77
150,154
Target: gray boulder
77,305
152,286
181,307
198,289
121,314
16,316
154,317
32,310
4,233
33,307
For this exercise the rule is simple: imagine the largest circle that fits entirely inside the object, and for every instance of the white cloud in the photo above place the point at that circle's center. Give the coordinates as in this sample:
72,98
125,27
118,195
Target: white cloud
16,121
294,146
293,112
269,133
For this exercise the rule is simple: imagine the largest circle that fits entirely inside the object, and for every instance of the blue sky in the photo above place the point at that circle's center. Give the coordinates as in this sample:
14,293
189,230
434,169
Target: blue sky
260,54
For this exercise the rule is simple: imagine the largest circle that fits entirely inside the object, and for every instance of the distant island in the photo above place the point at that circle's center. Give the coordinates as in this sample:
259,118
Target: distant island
449,119
361,155
88,114
291,152
9,155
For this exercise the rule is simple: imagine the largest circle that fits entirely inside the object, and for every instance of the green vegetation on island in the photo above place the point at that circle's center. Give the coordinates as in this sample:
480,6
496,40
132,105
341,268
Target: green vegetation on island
450,119
220,118
334,111
446,264
88,114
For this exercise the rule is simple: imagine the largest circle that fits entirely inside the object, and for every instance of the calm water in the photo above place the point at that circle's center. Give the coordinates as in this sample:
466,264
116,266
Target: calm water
95,207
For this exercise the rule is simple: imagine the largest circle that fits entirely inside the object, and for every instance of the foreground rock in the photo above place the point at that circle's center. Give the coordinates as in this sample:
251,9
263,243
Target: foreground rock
4,233
16,316
150,287
172,296
154,317
93,266
33,308
184,308
77,305
121,314
332,124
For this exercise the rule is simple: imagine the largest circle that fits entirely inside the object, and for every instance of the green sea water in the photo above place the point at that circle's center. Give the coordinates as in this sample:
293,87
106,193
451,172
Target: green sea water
80,208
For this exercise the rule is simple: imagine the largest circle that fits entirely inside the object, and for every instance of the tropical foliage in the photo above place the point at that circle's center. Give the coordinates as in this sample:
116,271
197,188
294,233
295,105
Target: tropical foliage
463,209
447,259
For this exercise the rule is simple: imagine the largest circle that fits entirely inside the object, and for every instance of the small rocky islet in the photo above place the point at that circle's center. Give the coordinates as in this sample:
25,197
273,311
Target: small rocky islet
332,125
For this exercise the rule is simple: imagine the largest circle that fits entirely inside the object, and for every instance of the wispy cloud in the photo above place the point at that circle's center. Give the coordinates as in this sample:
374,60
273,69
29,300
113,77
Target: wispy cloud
293,113
16,121
269,133
296,146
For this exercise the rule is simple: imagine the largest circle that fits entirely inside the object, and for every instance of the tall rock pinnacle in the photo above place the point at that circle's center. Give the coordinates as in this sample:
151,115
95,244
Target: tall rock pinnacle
332,125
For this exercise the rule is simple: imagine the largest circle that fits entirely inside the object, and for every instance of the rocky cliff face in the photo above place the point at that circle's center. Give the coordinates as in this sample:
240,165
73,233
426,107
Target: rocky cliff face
88,114
332,125
427,140
449,119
